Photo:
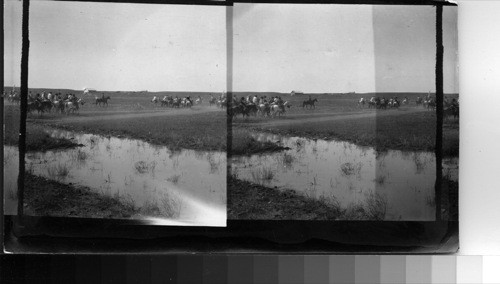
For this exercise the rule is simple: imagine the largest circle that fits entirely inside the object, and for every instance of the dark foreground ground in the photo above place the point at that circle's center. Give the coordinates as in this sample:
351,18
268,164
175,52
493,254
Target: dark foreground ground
45,197
249,201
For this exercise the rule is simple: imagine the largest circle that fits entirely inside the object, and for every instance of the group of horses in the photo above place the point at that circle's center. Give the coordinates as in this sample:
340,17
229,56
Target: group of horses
451,108
12,97
382,103
253,106
175,102
188,102
59,104
220,102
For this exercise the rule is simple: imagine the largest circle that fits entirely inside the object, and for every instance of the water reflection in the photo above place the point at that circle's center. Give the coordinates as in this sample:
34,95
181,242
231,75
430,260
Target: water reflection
349,174
190,185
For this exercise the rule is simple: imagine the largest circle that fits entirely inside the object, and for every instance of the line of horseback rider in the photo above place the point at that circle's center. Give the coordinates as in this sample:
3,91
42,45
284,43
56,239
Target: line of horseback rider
220,101
174,102
45,102
252,105
384,103
12,96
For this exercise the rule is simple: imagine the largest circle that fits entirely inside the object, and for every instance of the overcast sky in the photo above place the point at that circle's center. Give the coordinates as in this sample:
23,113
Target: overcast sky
340,48
110,46
276,47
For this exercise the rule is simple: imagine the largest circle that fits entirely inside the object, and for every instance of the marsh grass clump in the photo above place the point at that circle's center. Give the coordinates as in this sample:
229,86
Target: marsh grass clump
167,206
419,163
350,168
380,180
430,201
287,159
58,171
174,179
143,167
80,156
244,144
374,208
214,166
262,175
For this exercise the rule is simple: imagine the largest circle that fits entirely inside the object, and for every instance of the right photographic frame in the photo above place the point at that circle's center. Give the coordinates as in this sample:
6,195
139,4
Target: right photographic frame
344,113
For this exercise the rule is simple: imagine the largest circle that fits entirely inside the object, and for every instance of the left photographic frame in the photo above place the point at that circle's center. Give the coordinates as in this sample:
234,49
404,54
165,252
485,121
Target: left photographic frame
122,113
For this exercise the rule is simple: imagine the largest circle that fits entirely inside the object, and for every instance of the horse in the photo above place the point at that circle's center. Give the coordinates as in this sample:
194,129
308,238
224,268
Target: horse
264,109
430,104
35,105
419,101
58,105
310,103
187,103
212,101
239,109
155,100
372,102
176,103
14,98
452,110
71,106
46,105
277,109
222,103
382,103
103,101
361,102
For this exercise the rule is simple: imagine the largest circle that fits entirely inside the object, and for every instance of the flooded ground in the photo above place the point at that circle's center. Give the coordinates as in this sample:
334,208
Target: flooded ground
348,174
189,185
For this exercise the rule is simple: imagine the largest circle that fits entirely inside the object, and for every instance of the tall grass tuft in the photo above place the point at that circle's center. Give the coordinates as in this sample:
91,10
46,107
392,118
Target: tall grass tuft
174,179
287,159
143,167
350,168
380,180
262,175
80,155
58,171
166,205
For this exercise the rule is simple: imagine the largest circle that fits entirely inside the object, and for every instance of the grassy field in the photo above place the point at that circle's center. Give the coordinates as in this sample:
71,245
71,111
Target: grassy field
132,115
409,132
199,131
409,128
36,138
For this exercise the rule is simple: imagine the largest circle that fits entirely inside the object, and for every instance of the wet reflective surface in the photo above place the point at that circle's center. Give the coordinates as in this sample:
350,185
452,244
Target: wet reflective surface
349,174
189,186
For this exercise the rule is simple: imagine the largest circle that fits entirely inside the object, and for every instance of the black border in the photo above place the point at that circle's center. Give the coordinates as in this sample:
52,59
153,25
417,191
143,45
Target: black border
79,235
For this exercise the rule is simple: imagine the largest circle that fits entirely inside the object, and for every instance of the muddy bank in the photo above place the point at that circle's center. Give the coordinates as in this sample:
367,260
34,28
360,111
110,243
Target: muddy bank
44,197
252,201
36,138
244,144
405,132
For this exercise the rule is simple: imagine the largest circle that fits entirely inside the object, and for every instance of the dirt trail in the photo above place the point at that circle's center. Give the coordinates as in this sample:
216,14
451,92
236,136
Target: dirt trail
336,117
121,115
